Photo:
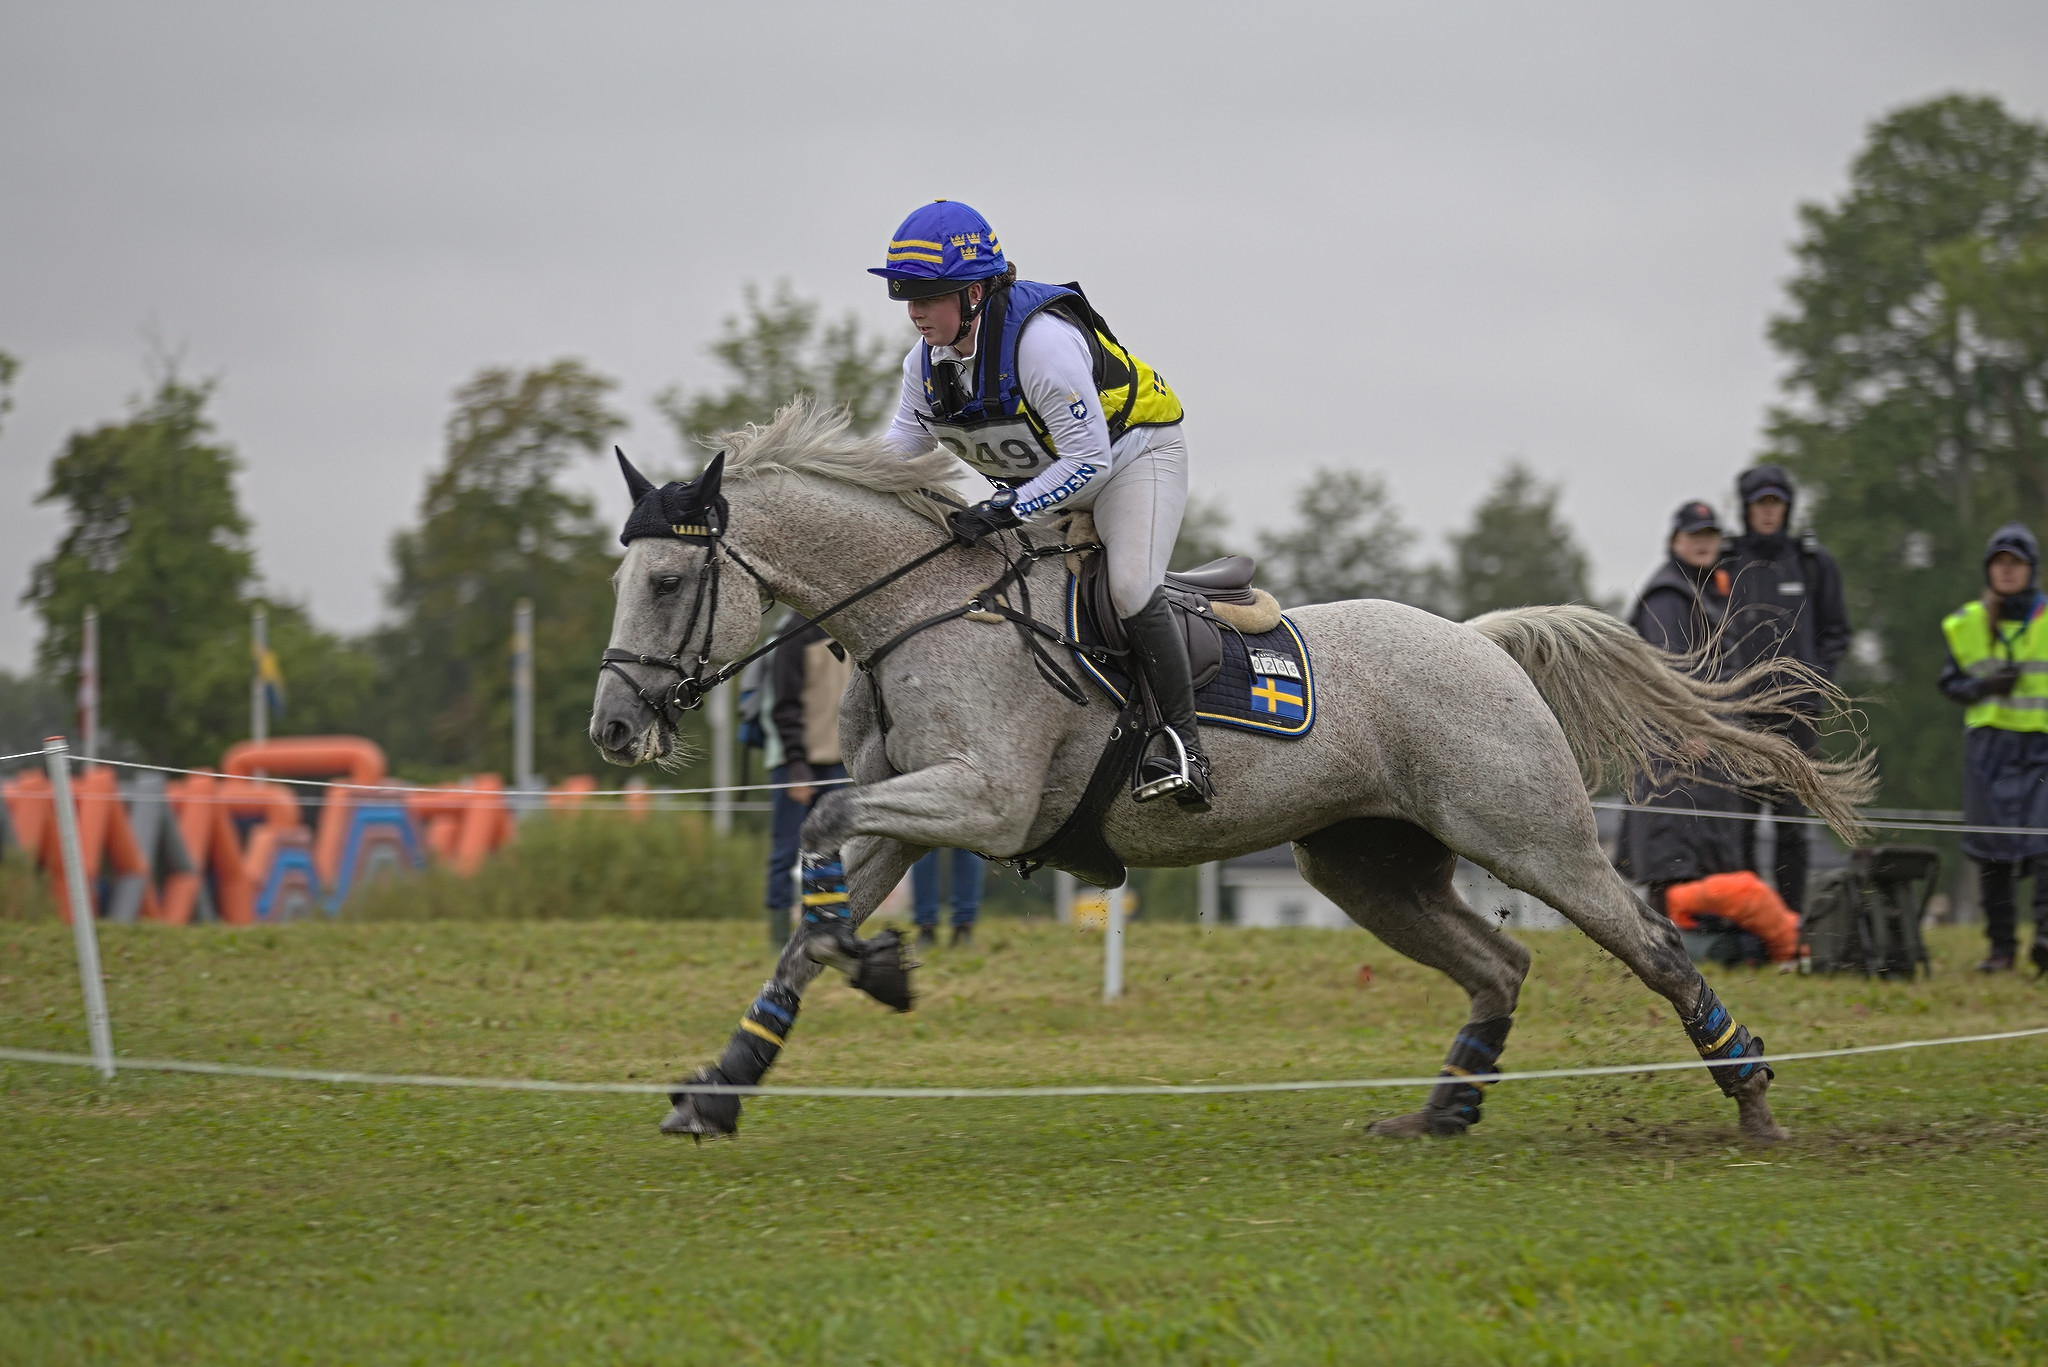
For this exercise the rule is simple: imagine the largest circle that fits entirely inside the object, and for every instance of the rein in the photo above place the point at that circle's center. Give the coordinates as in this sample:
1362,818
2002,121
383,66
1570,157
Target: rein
692,684
687,693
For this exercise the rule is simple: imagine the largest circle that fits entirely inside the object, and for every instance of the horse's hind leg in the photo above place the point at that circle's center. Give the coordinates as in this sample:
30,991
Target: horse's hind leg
1394,879
1580,883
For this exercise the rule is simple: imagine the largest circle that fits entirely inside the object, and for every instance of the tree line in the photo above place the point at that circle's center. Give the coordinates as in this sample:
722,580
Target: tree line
1915,415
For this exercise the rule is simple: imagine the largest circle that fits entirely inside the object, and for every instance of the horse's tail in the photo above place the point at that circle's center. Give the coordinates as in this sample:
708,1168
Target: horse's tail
1628,708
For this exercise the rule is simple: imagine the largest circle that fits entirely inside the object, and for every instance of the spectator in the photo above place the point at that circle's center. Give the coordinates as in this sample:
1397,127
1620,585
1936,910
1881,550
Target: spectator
1681,610
806,675
1998,669
925,895
1785,602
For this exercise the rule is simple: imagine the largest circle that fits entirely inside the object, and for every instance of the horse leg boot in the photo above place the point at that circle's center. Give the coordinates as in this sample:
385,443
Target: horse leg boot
879,967
1161,652
1718,1036
825,936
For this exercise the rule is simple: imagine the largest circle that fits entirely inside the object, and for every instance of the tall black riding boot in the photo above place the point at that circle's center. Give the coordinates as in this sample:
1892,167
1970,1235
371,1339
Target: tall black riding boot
1158,649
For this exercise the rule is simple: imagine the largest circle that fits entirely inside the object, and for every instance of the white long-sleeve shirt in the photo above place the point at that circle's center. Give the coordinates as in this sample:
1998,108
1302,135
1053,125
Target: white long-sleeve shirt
1057,374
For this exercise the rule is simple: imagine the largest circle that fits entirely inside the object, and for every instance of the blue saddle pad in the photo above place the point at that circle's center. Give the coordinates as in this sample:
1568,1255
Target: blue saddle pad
1265,685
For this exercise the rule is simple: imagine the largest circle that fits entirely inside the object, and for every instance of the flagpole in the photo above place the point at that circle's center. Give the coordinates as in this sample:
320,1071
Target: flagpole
89,685
259,647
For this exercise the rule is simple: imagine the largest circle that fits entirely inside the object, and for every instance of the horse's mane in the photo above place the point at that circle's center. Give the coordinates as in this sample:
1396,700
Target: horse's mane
807,438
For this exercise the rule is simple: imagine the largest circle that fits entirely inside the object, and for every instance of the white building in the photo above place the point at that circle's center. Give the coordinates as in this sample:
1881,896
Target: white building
1266,891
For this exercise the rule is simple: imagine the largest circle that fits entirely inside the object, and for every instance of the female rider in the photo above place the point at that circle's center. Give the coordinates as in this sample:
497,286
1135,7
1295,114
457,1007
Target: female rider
1026,383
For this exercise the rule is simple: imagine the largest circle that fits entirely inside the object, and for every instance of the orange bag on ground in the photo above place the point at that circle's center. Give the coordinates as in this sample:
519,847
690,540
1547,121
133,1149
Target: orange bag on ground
1742,898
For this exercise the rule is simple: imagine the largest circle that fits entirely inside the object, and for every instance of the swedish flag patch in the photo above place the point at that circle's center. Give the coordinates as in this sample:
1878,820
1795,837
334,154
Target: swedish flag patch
1274,695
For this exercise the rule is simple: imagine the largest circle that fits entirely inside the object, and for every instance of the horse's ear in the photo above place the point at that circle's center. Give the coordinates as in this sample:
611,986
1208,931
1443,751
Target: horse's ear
637,484
707,483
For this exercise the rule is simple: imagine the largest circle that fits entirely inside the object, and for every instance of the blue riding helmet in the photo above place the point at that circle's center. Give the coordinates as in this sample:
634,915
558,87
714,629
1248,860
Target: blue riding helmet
942,248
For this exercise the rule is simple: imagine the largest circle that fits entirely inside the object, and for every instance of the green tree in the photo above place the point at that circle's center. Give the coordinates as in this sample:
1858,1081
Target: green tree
1204,534
496,526
154,540
1917,336
1350,542
1518,550
9,368
31,707
778,351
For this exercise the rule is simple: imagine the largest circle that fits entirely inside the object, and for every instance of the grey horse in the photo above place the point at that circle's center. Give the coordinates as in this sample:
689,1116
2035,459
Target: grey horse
1433,739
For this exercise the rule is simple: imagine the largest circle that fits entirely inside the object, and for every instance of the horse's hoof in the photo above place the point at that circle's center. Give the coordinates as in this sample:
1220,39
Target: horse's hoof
1753,1113
1416,1124
703,1116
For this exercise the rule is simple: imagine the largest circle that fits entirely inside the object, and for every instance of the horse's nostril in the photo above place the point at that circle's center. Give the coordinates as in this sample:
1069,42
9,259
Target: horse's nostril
617,735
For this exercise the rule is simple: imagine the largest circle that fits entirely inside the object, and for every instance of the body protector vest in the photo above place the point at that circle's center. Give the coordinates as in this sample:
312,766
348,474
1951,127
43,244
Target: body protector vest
1979,651
991,426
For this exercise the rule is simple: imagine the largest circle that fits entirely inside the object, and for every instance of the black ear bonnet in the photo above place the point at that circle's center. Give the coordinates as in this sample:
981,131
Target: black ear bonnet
682,512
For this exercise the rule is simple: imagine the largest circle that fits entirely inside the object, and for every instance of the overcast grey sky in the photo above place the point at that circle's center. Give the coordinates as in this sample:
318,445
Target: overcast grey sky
1418,239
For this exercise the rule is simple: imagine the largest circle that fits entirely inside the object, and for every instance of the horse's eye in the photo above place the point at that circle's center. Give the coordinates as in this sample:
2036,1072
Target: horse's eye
668,583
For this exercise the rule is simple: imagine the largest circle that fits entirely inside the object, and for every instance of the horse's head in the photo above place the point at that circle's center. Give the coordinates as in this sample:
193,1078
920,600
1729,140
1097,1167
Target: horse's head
680,614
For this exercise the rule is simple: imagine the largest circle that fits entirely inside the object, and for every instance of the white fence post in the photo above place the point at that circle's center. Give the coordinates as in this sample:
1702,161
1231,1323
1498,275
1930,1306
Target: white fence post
1209,894
1063,897
522,695
84,930
720,709
1113,944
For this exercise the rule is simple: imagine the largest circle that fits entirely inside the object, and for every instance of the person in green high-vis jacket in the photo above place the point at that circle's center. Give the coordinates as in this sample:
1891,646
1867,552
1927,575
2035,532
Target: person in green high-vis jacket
1998,670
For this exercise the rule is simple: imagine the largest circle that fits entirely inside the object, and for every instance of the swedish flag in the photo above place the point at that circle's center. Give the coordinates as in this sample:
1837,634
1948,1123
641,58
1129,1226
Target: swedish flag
271,675
1273,696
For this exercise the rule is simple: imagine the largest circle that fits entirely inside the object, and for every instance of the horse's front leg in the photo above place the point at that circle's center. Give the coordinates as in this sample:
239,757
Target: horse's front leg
874,867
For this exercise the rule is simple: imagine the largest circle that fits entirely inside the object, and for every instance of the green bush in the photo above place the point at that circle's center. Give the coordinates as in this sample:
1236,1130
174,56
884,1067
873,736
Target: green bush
23,896
667,866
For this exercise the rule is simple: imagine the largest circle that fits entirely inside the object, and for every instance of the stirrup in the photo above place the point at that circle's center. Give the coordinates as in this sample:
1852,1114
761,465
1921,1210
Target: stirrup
1167,785
1187,783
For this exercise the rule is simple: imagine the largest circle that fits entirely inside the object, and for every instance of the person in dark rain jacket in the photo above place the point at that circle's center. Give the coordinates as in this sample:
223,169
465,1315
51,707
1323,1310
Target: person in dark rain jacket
1682,609
1784,602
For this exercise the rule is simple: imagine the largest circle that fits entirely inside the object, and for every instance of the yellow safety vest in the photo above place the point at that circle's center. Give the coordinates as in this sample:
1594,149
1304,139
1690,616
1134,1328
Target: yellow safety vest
995,429
1970,641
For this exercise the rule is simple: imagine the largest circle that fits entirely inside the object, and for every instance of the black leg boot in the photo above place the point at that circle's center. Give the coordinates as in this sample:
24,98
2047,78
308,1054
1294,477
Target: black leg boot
1995,883
1158,649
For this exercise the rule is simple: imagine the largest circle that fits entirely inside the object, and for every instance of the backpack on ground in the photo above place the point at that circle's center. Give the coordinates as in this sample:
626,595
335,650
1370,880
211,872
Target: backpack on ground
1865,917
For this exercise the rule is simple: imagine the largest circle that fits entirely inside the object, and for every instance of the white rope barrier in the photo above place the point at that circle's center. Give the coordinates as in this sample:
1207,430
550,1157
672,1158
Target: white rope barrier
1876,819
1947,827
351,1078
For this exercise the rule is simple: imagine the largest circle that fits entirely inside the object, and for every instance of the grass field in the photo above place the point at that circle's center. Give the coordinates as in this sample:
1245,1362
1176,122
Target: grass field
1608,1220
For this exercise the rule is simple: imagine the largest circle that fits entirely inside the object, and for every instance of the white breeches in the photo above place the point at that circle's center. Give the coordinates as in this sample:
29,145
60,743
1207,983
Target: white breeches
1137,513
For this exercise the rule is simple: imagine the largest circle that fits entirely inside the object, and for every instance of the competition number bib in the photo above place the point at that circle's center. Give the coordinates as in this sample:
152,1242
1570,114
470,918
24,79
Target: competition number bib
1004,448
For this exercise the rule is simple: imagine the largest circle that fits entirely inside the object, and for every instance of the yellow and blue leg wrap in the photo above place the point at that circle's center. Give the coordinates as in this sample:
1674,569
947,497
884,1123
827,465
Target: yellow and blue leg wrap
1717,1035
1454,1106
752,1050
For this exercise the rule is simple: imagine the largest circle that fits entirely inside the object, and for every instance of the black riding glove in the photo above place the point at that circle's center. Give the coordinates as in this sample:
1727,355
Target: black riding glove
990,515
2002,680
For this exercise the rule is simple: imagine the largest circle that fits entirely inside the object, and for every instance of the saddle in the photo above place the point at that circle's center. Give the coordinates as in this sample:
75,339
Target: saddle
1204,601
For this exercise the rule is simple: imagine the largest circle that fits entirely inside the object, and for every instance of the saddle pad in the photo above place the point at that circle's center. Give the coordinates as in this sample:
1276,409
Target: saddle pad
1265,684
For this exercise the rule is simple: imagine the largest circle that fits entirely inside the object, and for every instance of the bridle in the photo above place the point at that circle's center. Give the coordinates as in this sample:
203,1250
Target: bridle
687,693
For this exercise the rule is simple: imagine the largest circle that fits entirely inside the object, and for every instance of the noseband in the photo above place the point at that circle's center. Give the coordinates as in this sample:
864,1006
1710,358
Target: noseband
686,694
